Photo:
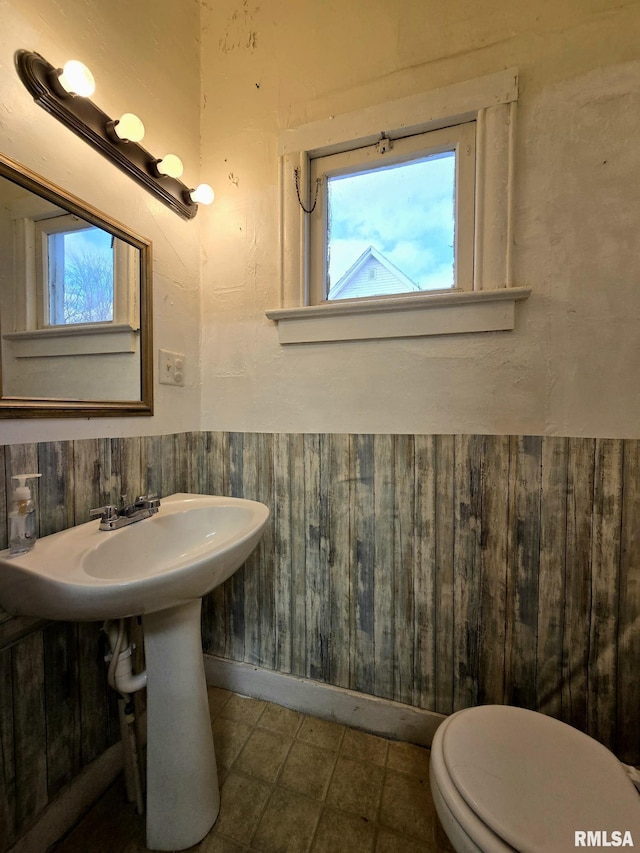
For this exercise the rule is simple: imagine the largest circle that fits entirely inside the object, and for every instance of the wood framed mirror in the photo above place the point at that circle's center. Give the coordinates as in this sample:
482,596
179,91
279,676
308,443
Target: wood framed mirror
76,337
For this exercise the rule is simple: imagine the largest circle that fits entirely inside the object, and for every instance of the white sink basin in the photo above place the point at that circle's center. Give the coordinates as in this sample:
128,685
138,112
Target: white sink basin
193,544
159,568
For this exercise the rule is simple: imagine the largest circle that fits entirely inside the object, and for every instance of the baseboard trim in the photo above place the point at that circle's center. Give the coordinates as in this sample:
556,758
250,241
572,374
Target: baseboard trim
72,802
359,710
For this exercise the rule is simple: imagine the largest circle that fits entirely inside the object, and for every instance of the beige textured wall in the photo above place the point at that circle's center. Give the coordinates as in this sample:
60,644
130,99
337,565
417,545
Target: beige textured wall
145,58
569,368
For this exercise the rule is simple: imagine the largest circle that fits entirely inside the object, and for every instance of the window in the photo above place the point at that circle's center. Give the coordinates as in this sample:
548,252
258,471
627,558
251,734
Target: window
396,219
74,272
75,287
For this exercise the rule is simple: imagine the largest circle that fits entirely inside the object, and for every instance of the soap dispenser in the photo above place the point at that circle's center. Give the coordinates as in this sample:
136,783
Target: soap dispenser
22,516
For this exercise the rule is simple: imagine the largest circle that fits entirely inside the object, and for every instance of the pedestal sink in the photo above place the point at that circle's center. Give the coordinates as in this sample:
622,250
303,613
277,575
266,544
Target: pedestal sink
158,568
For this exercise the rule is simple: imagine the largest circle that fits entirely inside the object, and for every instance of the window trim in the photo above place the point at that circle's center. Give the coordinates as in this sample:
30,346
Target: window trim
125,273
489,101
30,229
459,138
413,316
70,339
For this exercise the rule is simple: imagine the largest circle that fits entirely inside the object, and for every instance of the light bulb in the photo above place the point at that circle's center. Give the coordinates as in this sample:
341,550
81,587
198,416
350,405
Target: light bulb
203,194
129,128
170,165
76,79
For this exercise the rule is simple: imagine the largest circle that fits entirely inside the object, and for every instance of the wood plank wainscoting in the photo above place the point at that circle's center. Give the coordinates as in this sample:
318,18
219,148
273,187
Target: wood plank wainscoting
439,571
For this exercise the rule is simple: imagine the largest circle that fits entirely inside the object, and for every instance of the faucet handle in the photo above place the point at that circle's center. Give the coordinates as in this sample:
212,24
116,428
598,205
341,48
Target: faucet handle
106,513
146,499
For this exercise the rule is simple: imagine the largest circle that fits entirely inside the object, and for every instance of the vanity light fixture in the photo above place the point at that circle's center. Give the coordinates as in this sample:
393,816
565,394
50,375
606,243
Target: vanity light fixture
64,93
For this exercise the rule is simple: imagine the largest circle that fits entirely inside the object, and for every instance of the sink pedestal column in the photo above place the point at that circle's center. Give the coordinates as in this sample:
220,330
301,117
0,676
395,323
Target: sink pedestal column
183,798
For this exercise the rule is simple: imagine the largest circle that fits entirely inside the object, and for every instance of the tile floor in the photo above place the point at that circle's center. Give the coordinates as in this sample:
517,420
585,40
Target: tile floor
291,782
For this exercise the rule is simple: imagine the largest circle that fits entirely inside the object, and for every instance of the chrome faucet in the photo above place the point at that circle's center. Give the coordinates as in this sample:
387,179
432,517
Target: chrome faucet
113,517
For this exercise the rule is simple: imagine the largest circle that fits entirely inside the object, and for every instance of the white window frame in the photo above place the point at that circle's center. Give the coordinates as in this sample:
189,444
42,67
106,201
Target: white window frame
490,102
460,139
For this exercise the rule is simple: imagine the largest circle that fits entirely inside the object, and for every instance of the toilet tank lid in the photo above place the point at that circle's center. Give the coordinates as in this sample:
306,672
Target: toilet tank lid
535,781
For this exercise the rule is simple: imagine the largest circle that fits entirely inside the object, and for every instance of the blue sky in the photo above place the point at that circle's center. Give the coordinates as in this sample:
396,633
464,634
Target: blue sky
88,292
89,240
405,211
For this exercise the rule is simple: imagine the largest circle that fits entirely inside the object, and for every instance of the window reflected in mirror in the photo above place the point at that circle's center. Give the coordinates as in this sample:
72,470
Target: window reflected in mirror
76,275
74,290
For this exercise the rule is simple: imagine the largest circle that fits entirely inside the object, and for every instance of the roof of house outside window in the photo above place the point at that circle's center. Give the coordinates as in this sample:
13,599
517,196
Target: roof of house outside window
386,280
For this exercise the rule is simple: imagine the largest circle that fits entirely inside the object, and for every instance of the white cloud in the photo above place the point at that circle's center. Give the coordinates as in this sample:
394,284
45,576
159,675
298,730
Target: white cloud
406,212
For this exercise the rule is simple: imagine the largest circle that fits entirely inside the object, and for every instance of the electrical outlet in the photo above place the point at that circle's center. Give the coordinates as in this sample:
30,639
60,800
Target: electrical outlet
170,367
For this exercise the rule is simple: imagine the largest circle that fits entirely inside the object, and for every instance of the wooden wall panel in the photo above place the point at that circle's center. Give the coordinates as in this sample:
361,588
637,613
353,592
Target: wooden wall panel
387,586
264,555
494,573
467,521
444,575
213,479
249,488
452,570
316,614
127,458
234,601
577,601
335,481
300,496
8,829
91,473
400,568
436,570
605,589
524,568
552,575
61,685
29,728
627,686
55,463
97,701
282,551
424,629
362,506
3,494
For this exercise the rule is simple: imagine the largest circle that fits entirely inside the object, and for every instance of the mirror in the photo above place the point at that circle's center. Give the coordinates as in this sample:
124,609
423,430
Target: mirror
75,305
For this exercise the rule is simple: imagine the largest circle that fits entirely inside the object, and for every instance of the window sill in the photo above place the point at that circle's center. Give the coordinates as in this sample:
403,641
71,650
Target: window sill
72,340
400,317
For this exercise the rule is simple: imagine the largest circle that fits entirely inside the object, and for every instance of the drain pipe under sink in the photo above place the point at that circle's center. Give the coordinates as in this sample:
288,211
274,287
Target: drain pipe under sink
120,675
122,679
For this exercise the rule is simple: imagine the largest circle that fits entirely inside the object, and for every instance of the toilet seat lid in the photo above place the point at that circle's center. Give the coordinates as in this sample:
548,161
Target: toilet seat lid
535,781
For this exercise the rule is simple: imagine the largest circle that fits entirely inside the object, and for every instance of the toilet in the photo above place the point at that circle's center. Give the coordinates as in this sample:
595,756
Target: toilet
505,779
